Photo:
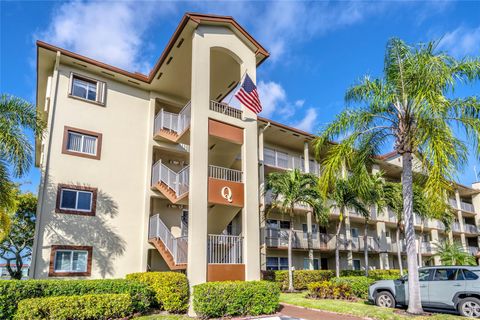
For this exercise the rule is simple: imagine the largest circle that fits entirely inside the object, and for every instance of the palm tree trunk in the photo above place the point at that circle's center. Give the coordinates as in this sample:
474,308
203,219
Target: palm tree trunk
337,250
399,251
414,299
290,271
365,247
420,241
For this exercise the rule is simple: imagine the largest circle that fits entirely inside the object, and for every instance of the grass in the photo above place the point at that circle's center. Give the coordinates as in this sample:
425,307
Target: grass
164,317
361,309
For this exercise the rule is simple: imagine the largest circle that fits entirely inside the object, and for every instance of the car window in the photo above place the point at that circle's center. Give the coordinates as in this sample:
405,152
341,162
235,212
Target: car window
424,275
469,275
460,275
444,274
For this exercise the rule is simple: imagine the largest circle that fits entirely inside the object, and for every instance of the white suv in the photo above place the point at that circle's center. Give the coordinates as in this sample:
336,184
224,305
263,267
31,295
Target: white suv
441,287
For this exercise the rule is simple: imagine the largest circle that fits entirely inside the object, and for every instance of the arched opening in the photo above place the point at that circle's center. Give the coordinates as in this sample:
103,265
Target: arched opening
224,72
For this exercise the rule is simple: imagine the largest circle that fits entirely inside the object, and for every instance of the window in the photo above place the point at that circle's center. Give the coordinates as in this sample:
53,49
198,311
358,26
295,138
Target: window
387,233
356,264
70,261
277,263
424,275
445,274
76,200
468,275
426,238
284,224
306,264
87,89
82,143
273,224
354,232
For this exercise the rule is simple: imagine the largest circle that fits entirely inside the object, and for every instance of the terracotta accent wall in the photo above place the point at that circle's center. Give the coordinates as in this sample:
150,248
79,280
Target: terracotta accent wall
216,192
225,131
225,272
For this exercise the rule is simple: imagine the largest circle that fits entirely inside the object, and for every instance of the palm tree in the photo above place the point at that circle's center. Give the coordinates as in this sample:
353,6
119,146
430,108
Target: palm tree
16,115
344,195
453,254
412,107
291,188
372,196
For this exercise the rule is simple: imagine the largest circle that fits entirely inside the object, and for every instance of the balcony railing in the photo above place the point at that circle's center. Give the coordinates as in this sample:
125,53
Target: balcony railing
176,181
467,206
427,247
269,201
225,109
225,173
470,228
456,227
176,246
358,244
287,161
473,250
225,249
453,203
174,122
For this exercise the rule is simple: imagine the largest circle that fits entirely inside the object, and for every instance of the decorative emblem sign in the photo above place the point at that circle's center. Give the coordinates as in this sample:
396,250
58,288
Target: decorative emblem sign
227,194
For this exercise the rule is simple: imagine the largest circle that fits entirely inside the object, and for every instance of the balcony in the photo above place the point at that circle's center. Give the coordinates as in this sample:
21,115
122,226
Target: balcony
456,227
473,250
394,247
358,244
225,174
172,126
452,203
278,238
270,201
427,247
283,160
467,206
225,249
470,228
225,109
225,186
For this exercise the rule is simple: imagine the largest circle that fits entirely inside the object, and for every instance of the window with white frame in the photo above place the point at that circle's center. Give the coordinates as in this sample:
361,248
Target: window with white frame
71,261
82,143
354,232
277,263
78,200
87,89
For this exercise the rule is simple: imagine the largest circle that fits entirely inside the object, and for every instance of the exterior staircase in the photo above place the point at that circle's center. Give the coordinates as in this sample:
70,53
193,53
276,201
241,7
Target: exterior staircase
173,185
173,127
173,250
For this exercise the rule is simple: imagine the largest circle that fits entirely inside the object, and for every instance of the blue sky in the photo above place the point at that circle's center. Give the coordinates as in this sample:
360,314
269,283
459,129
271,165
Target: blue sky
318,49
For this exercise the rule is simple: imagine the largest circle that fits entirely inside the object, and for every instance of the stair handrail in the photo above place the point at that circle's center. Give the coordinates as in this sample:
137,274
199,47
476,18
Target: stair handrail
171,243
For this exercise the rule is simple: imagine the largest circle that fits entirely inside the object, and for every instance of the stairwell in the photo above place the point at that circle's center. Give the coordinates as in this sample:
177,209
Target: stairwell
173,185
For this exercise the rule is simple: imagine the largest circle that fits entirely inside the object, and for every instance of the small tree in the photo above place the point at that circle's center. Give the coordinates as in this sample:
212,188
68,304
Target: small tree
17,245
290,188
453,254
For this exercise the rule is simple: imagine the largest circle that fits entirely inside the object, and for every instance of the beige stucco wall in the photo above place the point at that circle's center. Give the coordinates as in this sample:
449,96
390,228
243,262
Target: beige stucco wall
119,175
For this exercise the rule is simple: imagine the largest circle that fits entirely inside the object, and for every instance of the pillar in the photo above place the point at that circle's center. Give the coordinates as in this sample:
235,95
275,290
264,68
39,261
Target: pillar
261,189
435,241
460,219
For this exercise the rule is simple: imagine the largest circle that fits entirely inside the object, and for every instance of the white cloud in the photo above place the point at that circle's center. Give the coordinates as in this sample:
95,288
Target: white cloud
299,103
462,41
308,122
111,32
271,95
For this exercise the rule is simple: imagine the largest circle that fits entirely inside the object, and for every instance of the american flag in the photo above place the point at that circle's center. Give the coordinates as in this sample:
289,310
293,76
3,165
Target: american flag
248,95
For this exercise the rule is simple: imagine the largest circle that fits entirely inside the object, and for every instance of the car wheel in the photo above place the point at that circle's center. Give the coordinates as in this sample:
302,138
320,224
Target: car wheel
469,307
385,299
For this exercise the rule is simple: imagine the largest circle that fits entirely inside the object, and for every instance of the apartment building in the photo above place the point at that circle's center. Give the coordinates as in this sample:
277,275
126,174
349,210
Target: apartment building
157,172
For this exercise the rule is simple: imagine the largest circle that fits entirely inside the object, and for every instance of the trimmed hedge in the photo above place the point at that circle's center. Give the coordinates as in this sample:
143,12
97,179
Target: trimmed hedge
90,306
235,298
359,285
171,289
301,278
329,290
12,291
377,274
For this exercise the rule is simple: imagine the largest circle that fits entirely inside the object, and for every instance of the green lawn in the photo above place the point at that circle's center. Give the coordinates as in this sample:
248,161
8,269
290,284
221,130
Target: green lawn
360,309
164,317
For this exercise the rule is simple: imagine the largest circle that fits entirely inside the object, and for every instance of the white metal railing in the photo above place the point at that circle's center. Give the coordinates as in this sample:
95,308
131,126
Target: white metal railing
270,201
456,227
453,202
467,206
176,246
176,181
225,249
177,123
427,247
473,250
225,173
358,243
224,108
470,228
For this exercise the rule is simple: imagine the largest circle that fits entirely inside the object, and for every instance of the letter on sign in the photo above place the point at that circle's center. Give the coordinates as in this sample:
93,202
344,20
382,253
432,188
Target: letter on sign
227,194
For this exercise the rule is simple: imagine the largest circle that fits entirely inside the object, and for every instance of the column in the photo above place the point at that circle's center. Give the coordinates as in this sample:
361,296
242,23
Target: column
434,241
198,193
261,189
460,219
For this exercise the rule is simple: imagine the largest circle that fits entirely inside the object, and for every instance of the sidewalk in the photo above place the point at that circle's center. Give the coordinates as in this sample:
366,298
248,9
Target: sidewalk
290,311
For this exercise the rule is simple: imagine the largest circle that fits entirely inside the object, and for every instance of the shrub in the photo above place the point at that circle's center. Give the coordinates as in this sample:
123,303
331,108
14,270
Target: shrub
329,290
359,285
90,306
12,291
301,278
232,298
378,274
171,289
